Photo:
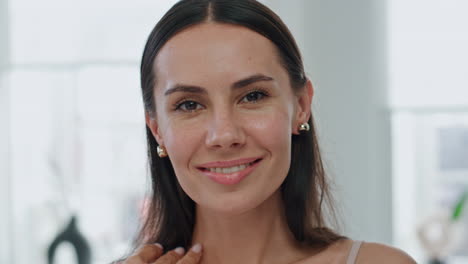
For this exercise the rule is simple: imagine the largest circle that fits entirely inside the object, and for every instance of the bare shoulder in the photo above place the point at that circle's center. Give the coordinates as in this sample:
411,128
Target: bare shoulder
383,254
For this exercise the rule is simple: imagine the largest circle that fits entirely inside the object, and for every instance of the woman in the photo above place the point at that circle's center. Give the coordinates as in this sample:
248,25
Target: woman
232,149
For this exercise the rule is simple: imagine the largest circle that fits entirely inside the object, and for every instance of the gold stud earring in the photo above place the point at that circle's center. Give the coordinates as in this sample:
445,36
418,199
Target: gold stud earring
161,151
304,127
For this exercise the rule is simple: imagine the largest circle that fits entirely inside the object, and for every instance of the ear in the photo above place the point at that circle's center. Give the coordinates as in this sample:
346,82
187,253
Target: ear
153,126
303,106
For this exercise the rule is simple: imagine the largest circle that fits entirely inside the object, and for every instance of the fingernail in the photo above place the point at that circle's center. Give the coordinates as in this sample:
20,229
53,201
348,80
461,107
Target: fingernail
197,248
159,245
179,250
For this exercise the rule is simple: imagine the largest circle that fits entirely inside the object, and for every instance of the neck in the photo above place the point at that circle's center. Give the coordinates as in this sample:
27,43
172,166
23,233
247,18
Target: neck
254,237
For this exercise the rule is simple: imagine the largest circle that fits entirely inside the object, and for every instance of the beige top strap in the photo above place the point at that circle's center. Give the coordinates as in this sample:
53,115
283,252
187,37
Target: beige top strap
353,252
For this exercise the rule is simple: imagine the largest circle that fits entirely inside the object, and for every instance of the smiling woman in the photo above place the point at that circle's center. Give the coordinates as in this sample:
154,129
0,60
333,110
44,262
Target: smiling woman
232,149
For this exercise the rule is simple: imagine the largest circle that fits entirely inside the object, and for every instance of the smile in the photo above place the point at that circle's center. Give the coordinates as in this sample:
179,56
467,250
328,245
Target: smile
230,169
229,172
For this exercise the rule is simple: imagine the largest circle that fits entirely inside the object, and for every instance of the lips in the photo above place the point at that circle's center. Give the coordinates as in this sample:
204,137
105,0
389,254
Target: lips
230,169
229,172
226,164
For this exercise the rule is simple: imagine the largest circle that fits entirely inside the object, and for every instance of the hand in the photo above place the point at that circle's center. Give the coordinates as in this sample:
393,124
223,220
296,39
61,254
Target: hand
151,254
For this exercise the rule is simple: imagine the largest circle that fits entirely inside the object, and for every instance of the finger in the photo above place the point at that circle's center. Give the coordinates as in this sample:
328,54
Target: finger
171,257
193,256
133,260
146,254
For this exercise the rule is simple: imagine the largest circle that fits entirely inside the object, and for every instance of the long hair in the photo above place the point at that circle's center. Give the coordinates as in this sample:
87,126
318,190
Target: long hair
171,213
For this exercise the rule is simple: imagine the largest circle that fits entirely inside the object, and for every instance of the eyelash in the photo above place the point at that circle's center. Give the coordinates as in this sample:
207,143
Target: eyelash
264,94
178,106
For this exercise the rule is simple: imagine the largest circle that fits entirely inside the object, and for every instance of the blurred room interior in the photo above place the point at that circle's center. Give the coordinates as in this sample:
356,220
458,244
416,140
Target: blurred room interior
391,106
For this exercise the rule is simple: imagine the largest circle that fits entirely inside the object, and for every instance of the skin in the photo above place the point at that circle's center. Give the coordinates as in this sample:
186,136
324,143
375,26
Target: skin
221,123
153,254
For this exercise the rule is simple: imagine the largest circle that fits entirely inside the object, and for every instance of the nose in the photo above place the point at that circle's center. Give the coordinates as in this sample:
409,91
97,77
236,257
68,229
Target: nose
224,132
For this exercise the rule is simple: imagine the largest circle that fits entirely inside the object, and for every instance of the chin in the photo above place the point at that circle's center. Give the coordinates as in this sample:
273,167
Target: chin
233,204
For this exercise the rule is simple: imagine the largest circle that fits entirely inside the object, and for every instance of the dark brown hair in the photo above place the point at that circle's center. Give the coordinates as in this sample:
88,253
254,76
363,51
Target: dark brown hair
305,191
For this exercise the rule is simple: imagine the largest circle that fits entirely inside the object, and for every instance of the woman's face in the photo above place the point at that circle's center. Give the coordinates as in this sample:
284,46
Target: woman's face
225,112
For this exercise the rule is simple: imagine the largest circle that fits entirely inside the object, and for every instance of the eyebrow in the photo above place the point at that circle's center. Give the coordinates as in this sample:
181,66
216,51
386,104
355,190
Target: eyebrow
200,90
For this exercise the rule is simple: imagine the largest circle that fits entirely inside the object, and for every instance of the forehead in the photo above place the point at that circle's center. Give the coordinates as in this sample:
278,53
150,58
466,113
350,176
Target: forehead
213,52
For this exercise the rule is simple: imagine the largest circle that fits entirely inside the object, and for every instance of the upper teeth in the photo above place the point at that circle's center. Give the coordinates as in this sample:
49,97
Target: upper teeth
230,169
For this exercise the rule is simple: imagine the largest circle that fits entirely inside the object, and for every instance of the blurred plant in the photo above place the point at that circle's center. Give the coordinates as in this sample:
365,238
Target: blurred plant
441,233
458,209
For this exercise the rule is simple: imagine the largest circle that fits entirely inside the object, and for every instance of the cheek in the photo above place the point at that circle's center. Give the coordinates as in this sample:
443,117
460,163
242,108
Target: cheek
181,142
272,133
271,128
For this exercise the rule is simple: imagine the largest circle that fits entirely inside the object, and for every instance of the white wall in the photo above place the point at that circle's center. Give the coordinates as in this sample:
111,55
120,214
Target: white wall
4,138
5,198
428,55
344,48
346,51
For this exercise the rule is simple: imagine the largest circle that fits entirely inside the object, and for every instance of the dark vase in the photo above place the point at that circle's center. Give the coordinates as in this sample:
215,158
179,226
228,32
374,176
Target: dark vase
72,235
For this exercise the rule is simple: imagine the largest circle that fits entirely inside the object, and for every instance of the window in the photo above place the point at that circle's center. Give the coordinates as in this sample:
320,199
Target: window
77,134
429,101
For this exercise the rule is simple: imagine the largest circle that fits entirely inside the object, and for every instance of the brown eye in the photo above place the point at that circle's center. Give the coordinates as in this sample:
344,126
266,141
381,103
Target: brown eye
189,106
253,97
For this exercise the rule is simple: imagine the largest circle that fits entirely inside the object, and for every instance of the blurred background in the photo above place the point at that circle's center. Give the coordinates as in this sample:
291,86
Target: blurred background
391,105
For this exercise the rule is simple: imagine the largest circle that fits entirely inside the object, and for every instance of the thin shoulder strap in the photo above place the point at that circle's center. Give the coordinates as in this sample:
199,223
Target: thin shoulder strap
353,252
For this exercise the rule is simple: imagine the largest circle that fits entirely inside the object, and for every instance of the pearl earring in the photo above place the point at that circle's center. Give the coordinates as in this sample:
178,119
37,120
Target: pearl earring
161,151
304,127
